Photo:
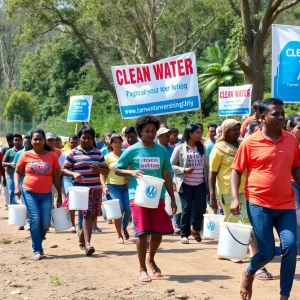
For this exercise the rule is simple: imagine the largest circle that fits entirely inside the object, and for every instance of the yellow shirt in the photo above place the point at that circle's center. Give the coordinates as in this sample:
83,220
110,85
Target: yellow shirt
111,161
221,162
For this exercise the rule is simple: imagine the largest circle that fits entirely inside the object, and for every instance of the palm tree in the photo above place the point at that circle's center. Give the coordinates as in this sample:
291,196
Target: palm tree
218,69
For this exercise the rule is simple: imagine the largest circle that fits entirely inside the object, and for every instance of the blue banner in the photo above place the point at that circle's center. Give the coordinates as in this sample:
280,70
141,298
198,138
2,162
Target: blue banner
286,63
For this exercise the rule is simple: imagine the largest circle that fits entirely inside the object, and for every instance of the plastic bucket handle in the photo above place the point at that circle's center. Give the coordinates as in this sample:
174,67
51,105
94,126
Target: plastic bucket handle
251,236
240,215
111,195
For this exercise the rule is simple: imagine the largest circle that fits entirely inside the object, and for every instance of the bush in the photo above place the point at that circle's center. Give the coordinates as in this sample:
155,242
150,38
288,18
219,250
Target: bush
20,105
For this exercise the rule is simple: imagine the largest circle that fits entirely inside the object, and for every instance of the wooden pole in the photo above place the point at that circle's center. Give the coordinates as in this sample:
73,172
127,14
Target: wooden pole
201,116
76,128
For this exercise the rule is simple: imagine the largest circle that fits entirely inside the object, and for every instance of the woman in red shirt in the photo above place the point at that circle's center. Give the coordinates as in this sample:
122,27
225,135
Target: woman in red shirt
41,171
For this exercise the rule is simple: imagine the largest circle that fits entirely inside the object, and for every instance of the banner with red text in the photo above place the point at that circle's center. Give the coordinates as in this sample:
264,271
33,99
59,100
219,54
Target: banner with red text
164,87
235,100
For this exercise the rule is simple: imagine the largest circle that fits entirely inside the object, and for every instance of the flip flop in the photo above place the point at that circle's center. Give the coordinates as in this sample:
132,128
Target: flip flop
197,237
155,269
267,275
80,244
89,250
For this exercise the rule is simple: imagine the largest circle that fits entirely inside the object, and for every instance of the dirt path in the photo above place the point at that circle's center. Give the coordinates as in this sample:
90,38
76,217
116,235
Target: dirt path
190,271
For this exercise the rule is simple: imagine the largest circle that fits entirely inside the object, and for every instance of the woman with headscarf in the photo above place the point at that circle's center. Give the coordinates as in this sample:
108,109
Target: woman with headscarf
220,162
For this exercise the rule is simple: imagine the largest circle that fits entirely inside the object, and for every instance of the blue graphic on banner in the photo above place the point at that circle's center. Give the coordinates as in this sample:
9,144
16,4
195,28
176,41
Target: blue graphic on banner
161,107
287,79
79,110
234,112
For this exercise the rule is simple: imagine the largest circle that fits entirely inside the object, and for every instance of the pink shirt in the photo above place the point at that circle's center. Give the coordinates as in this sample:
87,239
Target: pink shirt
194,160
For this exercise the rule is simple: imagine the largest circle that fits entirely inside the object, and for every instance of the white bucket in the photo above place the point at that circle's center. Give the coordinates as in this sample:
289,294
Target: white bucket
61,218
112,209
78,198
211,226
234,239
17,214
148,191
168,204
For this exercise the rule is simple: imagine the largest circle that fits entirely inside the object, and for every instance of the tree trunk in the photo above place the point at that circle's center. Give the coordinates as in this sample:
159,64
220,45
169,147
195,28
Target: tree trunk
255,75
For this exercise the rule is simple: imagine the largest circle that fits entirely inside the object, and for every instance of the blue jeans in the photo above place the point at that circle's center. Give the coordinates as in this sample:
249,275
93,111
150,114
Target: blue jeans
296,189
66,183
80,219
39,211
263,220
192,197
121,192
176,221
11,189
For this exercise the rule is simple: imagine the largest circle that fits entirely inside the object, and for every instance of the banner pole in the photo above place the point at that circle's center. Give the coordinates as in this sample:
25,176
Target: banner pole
201,116
76,128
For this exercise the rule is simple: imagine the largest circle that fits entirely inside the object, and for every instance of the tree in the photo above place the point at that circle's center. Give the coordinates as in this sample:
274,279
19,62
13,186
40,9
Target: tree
219,69
257,16
21,105
50,72
135,30
8,50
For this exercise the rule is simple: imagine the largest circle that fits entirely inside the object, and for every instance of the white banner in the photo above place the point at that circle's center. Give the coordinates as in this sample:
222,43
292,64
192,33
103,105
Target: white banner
163,87
235,100
286,63
80,108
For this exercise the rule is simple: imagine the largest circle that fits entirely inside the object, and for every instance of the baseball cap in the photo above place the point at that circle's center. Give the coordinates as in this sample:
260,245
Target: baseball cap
50,135
162,130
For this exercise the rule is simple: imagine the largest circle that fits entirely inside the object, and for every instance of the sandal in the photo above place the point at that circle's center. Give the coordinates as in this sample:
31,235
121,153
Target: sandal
196,236
185,240
80,244
263,274
97,230
89,250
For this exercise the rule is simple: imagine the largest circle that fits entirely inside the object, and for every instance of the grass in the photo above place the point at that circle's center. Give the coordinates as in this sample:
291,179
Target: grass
56,280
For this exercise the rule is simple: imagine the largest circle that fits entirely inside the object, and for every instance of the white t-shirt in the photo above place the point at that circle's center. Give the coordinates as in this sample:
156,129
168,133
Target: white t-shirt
63,156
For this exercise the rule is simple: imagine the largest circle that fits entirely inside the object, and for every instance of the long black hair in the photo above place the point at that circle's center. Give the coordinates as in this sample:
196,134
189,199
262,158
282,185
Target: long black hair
41,132
186,136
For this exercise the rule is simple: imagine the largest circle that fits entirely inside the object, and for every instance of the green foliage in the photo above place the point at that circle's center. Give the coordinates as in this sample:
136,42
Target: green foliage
50,72
218,69
21,105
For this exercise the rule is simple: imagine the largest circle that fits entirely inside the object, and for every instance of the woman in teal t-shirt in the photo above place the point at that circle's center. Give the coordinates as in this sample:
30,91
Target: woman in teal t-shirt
147,157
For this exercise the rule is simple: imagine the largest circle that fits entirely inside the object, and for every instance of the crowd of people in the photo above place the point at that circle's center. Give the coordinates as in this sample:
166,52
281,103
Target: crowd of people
248,171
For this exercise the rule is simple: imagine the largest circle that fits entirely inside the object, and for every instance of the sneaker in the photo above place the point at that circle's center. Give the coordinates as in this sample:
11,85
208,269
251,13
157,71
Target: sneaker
27,227
36,257
73,229
21,228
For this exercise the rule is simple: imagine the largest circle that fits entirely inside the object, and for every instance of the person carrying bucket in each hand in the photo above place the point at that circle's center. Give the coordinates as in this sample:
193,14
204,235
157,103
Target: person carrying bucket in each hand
147,157
85,164
220,161
270,156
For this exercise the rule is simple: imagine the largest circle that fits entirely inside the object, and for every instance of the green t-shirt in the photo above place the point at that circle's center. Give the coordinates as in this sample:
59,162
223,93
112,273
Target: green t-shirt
152,161
4,149
9,157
